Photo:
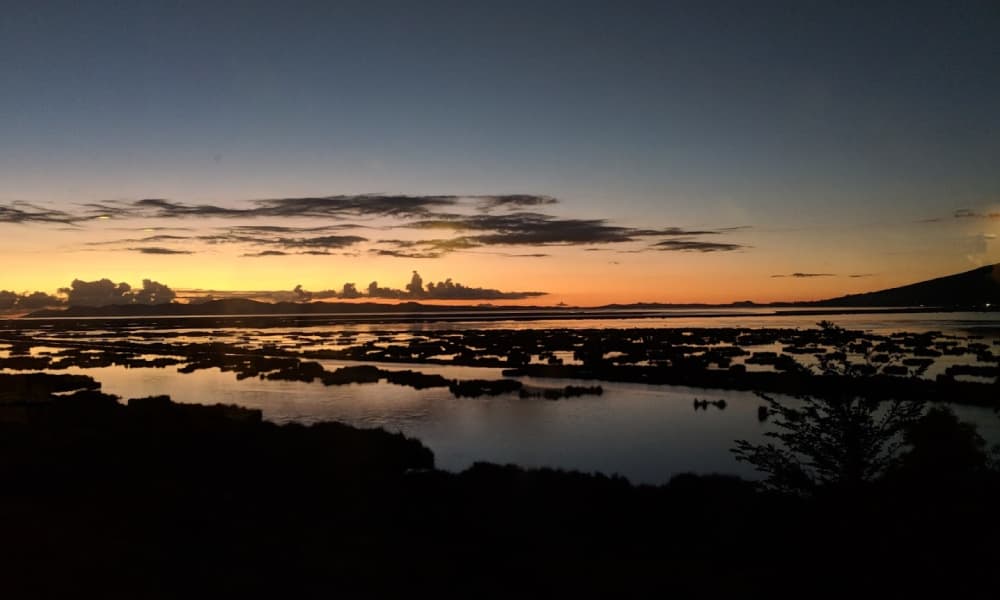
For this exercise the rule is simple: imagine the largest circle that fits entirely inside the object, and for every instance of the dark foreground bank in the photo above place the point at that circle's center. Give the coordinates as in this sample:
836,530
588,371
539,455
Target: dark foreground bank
153,499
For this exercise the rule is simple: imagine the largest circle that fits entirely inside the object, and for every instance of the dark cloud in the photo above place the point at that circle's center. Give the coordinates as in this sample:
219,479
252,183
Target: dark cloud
512,201
531,228
406,253
23,212
350,291
432,248
415,290
235,238
806,275
27,301
153,292
449,290
280,229
696,246
966,213
265,253
8,299
143,240
301,294
480,229
337,206
159,250
36,300
365,205
328,242
536,229
105,292
858,275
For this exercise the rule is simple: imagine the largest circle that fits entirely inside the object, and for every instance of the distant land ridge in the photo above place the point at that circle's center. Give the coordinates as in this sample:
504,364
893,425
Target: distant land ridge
977,289
971,289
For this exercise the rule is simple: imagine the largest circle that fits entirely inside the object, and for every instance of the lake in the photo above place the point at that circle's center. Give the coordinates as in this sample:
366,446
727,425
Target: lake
646,433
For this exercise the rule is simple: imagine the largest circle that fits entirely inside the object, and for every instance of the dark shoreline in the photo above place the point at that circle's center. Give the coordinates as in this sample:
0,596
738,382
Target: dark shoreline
153,499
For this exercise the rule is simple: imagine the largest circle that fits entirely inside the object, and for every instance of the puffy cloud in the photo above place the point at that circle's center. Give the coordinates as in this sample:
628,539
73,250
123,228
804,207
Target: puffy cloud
416,286
38,300
8,299
102,292
105,292
374,291
153,292
28,300
350,291
415,290
449,290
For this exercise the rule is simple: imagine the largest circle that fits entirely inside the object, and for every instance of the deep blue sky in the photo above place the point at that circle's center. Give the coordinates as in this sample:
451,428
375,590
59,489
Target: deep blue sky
781,115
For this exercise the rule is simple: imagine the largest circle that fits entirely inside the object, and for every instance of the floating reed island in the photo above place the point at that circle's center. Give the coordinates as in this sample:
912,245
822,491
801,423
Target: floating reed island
932,365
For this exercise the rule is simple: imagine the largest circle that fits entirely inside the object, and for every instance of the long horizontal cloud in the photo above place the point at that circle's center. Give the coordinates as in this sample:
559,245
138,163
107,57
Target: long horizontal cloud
159,250
808,275
685,245
324,242
517,228
536,229
361,205
539,229
511,201
23,212
966,213
143,240
459,222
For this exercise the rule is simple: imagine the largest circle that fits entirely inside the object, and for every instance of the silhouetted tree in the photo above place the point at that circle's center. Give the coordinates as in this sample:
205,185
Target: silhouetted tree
842,441
942,447
841,438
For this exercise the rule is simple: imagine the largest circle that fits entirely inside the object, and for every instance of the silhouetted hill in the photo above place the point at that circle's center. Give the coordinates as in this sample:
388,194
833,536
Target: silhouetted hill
971,289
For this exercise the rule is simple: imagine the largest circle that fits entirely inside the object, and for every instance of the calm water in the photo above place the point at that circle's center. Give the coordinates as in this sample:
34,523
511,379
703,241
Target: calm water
646,433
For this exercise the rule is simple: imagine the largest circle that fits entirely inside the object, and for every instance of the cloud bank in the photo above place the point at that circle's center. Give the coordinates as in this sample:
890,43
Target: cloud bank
437,225
415,290
105,292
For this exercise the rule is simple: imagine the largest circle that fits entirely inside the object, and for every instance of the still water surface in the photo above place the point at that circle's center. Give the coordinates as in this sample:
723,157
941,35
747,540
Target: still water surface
646,433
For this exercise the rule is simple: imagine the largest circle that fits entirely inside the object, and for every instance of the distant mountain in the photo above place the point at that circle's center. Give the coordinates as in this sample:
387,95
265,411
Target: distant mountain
972,289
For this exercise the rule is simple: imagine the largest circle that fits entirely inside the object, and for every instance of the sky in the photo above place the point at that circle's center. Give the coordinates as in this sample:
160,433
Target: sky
586,152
